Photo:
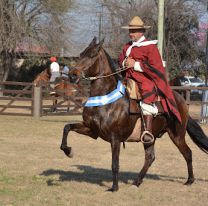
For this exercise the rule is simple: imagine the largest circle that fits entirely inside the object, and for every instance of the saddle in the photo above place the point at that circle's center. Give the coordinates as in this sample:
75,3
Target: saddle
135,97
135,109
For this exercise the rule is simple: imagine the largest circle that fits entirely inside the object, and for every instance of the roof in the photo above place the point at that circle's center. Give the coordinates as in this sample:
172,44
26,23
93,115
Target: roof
29,48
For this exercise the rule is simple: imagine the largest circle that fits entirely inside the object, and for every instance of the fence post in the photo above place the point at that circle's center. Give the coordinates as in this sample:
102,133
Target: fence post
204,107
188,91
37,102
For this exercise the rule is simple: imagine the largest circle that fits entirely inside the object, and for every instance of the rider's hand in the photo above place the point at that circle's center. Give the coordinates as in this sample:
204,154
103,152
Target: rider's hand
129,62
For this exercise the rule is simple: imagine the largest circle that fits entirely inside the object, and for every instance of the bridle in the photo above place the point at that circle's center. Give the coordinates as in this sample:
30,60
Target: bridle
118,70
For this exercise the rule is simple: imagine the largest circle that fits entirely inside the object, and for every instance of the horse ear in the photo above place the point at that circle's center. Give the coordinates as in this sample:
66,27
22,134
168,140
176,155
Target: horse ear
91,45
99,45
102,42
93,42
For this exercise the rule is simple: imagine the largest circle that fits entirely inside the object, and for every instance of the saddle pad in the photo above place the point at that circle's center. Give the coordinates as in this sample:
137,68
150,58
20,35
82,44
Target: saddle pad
132,89
136,134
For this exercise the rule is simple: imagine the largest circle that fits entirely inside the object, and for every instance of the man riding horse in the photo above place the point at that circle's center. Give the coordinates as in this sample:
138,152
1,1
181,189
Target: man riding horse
54,69
145,66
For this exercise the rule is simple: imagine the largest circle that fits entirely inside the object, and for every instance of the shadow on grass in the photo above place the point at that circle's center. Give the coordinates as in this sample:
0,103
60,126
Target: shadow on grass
98,176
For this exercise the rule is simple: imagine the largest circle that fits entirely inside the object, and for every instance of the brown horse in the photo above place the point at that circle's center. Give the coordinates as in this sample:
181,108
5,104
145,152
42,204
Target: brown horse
113,123
62,88
177,82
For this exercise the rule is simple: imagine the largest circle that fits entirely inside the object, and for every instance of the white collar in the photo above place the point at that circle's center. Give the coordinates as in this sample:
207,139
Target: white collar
140,43
142,38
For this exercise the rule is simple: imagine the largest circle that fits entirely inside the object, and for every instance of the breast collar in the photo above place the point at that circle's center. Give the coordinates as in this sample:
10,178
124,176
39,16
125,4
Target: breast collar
107,99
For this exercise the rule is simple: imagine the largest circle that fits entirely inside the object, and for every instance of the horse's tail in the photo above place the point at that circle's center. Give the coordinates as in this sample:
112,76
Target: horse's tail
197,135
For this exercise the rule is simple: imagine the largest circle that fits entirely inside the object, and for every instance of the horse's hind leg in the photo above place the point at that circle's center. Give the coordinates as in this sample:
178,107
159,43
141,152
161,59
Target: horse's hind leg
79,128
53,108
178,139
68,105
149,158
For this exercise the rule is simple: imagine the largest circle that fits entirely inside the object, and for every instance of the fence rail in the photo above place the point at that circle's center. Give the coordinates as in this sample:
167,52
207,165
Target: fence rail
27,100
16,101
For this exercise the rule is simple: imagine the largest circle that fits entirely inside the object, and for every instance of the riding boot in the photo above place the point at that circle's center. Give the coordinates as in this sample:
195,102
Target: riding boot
147,136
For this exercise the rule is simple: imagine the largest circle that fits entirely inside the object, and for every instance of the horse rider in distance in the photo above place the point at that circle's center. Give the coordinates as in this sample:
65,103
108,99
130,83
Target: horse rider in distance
54,69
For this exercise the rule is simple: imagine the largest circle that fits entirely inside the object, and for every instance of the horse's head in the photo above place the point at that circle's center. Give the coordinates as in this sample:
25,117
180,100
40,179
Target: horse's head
43,77
86,66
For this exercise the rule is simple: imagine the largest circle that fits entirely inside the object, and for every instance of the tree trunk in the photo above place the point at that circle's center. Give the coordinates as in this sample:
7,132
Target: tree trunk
6,63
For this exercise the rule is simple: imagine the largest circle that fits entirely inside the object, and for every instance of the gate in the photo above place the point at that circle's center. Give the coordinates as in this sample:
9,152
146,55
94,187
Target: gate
62,105
16,98
25,99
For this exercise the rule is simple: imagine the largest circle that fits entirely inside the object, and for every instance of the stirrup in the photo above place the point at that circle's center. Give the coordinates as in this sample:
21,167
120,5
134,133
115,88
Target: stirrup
148,133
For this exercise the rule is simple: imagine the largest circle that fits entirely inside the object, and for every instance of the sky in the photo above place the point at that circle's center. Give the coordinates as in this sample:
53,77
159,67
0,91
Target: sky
86,24
85,16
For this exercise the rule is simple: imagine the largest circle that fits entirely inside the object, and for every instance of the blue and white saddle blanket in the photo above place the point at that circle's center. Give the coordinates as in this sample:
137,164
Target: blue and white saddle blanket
113,96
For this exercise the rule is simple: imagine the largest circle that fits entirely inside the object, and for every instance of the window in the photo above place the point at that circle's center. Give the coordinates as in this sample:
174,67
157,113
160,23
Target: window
196,80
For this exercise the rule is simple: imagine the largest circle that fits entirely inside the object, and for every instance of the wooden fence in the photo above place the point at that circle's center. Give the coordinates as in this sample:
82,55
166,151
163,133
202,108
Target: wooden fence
25,99
64,105
21,98
16,98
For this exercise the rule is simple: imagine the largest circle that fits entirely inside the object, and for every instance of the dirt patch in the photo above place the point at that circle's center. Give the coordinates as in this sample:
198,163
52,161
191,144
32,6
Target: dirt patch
34,171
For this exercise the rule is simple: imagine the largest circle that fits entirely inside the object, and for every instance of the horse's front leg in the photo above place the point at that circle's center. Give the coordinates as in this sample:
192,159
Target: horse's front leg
149,158
115,147
76,127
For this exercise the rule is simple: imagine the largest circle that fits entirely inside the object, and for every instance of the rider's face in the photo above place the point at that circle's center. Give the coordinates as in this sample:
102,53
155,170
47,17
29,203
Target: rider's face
135,34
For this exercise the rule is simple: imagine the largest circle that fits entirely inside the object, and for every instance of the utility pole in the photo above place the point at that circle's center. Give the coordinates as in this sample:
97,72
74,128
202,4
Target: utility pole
160,31
206,53
204,108
100,23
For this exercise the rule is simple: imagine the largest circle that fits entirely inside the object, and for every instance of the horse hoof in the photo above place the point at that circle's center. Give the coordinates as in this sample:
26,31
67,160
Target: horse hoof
112,189
137,183
68,151
189,181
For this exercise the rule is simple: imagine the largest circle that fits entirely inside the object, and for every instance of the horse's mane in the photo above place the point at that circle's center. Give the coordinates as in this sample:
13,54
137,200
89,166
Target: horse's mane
45,71
113,65
42,75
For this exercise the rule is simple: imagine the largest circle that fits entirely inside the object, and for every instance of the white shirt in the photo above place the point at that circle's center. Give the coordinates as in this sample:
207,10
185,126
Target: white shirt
54,67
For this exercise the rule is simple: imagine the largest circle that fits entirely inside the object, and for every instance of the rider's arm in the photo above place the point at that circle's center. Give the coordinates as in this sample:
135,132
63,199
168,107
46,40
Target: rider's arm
137,66
154,58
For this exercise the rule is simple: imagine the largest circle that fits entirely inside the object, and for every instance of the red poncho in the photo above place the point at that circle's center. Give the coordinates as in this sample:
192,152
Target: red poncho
146,52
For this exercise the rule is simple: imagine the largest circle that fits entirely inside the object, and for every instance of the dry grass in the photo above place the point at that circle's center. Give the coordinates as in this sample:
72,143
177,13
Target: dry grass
33,171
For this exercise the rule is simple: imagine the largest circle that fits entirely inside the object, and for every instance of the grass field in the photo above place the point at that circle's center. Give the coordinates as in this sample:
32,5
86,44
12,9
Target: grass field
34,171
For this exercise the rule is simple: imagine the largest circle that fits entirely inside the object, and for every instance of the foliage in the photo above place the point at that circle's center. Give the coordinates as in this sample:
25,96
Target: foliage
181,26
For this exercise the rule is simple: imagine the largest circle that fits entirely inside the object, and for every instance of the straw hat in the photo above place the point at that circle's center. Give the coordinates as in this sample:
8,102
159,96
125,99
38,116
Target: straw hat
136,23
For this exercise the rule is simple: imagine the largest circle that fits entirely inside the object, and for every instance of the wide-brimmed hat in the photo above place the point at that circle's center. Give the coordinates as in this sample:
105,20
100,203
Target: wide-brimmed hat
136,23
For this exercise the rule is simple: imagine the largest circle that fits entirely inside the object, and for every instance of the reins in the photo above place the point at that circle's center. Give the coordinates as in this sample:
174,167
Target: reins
104,76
